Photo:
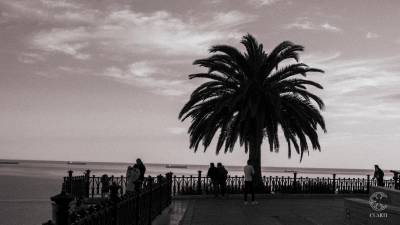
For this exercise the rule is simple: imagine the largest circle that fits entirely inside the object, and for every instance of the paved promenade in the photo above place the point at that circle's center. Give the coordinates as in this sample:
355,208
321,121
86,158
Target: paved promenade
268,211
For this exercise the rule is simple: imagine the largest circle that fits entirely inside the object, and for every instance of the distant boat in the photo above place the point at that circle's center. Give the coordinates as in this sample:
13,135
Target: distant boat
176,166
76,163
9,162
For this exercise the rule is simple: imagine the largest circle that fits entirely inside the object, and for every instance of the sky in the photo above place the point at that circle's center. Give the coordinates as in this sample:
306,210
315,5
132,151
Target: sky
99,80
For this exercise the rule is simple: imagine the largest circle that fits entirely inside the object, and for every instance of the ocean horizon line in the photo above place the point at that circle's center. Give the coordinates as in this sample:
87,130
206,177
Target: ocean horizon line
287,168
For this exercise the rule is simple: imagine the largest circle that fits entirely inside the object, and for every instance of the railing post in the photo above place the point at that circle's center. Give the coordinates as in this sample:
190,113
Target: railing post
199,182
169,180
334,183
60,207
368,182
87,180
295,182
174,186
69,189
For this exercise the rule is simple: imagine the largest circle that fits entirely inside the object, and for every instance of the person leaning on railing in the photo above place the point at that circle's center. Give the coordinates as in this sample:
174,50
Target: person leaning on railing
105,185
132,179
378,174
212,174
142,168
222,175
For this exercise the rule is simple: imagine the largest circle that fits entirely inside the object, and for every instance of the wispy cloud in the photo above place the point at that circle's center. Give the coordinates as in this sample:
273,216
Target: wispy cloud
30,57
74,70
176,130
146,75
263,2
68,41
60,4
49,11
76,27
359,87
158,32
371,35
304,23
142,69
122,35
330,27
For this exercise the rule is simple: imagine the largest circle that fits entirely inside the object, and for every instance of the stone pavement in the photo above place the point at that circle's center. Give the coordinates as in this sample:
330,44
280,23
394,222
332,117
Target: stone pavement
173,214
273,211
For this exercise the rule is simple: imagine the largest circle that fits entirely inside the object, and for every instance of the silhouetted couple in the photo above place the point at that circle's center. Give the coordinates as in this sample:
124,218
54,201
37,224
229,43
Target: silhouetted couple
135,177
218,176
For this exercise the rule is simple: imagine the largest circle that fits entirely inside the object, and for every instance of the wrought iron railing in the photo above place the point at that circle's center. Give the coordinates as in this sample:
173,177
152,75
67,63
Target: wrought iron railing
117,208
94,186
189,185
137,209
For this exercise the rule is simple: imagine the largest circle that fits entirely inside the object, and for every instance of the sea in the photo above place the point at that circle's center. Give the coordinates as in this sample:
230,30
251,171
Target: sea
26,185
59,169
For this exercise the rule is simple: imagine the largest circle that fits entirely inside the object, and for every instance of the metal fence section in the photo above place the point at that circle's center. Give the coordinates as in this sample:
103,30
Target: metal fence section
96,187
116,208
136,209
191,185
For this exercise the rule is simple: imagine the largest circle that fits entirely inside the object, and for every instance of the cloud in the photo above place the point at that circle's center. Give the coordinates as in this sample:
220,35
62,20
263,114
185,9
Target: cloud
142,69
329,27
46,74
49,11
59,4
305,24
164,33
229,19
146,75
158,33
74,70
68,41
30,57
371,35
358,87
130,46
215,2
259,3
176,130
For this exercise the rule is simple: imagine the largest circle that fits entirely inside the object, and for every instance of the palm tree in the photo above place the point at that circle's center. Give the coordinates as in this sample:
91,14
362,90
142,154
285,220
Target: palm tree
249,95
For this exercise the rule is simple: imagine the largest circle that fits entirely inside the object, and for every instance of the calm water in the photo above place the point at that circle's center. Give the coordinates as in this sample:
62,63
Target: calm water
56,170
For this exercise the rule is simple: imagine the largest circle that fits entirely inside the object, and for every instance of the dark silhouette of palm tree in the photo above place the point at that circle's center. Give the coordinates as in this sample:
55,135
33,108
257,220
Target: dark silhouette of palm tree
249,95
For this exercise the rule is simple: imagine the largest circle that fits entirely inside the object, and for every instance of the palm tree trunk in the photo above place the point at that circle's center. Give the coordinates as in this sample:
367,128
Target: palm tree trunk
255,158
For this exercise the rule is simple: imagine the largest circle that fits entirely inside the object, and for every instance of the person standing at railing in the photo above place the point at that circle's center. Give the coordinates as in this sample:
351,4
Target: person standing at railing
222,175
248,182
105,185
142,169
378,174
212,174
132,179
